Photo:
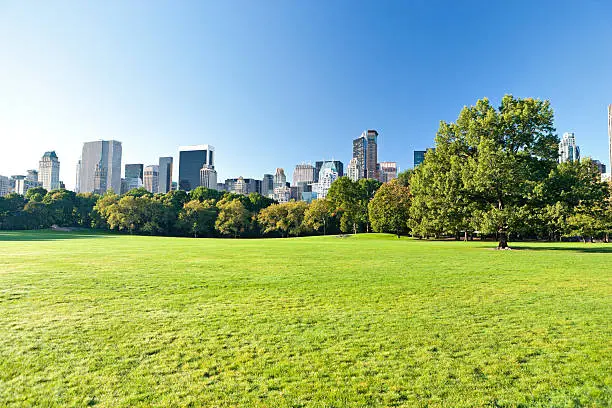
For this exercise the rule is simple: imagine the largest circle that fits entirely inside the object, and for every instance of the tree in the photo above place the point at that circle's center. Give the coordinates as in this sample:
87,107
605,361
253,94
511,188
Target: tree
344,195
35,194
198,218
61,206
202,194
485,169
11,212
139,192
84,209
233,219
36,215
286,218
389,210
318,215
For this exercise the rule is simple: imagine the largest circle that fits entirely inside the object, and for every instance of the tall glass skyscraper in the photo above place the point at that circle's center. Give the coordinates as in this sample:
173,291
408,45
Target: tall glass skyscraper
165,174
191,161
365,150
134,171
100,168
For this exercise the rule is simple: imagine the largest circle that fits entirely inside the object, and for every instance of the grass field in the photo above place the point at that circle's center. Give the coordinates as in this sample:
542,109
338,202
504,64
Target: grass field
122,321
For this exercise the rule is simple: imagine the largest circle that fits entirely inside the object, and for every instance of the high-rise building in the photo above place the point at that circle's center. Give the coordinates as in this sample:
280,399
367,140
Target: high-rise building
610,135
388,171
328,174
337,164
4,186
151,178
282,194
242,185
303,173
280,180
353,170
165,174
191,161
419,157
32,176
365,150
568,149
48,171
77,184
131,183
267,185
601,168
134,171
100,168
208,177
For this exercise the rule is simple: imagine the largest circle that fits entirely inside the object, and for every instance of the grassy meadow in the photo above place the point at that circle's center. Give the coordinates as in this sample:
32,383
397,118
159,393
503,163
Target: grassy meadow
128,321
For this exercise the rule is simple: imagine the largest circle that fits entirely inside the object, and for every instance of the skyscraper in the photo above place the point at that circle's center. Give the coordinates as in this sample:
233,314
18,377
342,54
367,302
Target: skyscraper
419,157
365,150
191,160
388,171
151,178
165,174
328,174
338,164
280,180
4,186
303,173
77,184
134,171
267,185
353,170
208,177
100,168
48,171
568,149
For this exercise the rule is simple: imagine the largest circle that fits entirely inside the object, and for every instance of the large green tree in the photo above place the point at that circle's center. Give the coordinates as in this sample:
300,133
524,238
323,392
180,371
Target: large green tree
197,218
389,210
234,218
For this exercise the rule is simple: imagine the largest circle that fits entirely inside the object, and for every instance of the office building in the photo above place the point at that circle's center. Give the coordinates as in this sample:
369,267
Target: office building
208,177
568,149
221,187
601,168
419,157
100,169
48,171
32,177
280,180
387,171
267,185
165,174
191,160
353,170
151,178
242,185
131,183
327,175
303,173
77,183
365,150
4,186
134,171
337,164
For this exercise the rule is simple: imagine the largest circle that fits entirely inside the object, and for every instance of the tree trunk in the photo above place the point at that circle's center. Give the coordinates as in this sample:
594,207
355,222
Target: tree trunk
465,235
503,240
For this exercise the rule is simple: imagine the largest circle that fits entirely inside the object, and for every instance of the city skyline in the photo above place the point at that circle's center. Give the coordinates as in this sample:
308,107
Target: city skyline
234,80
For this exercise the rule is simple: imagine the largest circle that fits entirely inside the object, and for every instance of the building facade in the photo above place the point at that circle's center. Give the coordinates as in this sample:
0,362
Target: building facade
134,171
4,186
208,177
601,168
419,157
191,160
365,150
100,169
303,173
267,185
353,171
388,171
327,176
48,171
131,183
338,164
280,180
151,178
568,149
165,174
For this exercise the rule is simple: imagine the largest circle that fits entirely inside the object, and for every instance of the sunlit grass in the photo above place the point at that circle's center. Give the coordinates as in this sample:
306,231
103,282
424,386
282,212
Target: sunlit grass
120,321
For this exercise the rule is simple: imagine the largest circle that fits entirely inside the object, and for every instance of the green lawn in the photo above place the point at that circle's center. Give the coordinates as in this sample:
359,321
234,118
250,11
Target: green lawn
122,321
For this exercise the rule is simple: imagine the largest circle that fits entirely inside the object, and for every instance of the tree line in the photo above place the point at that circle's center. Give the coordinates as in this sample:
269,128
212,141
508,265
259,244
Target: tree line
493,172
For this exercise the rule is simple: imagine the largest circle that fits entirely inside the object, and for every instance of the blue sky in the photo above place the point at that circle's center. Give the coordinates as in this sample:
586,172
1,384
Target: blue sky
275,83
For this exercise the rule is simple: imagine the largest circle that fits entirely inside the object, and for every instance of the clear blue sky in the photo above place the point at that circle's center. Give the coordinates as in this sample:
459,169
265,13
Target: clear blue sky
275,83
